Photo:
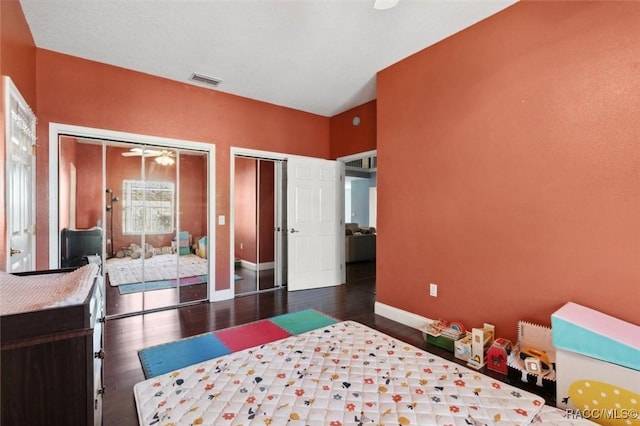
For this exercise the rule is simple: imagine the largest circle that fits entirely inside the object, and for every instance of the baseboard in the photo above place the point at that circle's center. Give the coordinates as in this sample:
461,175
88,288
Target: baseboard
266,265
398,315
253,267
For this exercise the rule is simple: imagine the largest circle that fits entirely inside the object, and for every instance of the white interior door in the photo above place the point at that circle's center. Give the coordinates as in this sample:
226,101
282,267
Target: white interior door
315,229
20,125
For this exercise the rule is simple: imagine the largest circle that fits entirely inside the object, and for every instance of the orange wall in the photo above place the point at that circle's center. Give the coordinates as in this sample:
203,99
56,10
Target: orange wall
3,217
89,195
87,159
509,163
67,156
193,195
17,50
347,139
17,60
245,209
254,209
266,208
85,93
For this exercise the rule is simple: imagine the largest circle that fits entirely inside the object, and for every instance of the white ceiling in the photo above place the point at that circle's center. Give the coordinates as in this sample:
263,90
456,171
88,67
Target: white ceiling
319,56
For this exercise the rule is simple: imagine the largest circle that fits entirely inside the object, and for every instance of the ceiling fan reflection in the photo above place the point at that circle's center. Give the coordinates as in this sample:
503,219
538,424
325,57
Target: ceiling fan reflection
137,152
162,157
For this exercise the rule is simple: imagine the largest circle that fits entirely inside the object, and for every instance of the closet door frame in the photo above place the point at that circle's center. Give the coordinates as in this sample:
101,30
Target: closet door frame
57,129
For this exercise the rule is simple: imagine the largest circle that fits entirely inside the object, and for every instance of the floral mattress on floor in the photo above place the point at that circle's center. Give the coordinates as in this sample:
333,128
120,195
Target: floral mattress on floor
162,267
343,374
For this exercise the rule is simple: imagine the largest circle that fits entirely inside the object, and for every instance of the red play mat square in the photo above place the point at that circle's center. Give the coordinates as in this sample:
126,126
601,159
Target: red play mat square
250,335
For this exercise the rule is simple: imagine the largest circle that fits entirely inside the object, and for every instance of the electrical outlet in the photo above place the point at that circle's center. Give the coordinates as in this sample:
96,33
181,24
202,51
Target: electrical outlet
241,246
433,290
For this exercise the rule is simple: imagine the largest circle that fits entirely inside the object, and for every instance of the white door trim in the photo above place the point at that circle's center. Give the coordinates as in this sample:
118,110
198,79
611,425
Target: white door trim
73,190
58,129
278,214
358,156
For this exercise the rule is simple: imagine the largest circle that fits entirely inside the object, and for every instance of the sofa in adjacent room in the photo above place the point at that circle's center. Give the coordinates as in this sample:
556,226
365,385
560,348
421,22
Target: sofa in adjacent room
360,243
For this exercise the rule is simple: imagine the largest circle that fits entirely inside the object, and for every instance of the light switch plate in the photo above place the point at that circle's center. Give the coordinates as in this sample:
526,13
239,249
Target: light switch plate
433,290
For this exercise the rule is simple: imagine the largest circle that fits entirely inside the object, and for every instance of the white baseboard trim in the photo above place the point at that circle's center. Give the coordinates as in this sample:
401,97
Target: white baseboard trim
403,317
249,265
267,265
261,266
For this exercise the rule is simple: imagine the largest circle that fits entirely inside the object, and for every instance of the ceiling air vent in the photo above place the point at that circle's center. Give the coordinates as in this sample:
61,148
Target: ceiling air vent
210,81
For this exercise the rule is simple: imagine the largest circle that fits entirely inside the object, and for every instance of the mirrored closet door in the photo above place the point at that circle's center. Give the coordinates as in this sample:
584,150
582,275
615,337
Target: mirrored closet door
258,227
150,204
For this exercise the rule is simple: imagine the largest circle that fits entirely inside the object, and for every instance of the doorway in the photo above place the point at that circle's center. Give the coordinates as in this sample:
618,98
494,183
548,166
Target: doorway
146,200
360,214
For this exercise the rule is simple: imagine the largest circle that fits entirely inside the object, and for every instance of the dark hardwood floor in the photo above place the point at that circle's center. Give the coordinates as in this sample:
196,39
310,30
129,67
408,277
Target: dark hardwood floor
351,301
125,336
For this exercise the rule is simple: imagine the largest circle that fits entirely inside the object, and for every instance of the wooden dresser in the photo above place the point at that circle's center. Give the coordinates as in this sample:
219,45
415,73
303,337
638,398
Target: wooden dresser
52,357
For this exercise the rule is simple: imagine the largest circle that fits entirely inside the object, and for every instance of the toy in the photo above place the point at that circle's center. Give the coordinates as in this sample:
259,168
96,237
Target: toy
533,349
528,352
498,355
481,339
435,328
463,347
453,330
535,366
597,362
442,334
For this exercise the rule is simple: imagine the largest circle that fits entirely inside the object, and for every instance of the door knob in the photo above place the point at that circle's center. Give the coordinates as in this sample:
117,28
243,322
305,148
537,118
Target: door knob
293,231
15,251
